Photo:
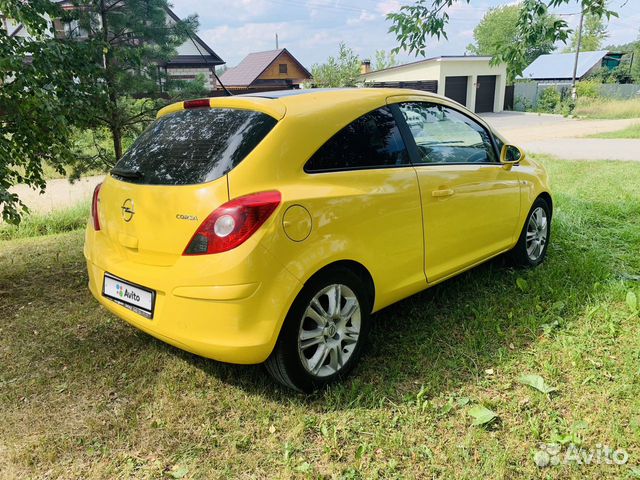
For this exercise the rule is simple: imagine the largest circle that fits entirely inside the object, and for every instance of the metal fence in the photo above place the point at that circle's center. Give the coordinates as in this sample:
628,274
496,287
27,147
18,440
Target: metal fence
526,94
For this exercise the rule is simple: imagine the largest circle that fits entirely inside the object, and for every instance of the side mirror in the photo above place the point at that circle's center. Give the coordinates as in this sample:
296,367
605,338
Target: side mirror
511,155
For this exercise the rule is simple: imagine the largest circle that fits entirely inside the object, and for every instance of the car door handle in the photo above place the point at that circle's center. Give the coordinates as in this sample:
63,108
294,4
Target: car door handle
447,192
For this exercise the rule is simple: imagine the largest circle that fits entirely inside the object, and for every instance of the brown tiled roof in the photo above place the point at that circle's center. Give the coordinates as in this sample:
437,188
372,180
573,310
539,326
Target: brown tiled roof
251,67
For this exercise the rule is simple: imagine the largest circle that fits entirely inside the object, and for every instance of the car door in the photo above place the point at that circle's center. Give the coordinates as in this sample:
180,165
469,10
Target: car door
363,191
471,202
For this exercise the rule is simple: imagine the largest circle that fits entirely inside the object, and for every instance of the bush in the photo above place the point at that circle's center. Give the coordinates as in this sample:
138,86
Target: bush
567,107
549,100
522,104
588,89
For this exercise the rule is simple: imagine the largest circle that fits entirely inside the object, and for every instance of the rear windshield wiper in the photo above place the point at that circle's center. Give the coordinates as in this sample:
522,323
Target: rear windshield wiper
133,174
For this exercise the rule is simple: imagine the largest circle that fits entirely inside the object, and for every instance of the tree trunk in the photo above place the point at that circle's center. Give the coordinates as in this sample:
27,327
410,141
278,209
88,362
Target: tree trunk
117,141
114,121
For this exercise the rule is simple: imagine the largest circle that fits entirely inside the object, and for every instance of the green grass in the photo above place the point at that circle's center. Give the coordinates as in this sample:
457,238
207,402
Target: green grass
632,131
57,221
607,108
83,395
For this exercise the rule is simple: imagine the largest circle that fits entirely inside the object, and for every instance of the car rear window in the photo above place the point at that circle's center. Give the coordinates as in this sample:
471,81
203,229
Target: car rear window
193,146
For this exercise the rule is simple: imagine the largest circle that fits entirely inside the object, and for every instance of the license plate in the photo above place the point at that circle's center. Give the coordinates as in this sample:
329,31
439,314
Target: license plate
134,297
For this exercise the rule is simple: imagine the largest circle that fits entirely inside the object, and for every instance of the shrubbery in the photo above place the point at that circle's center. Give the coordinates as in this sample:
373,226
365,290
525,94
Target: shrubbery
554,100
549,100
588,89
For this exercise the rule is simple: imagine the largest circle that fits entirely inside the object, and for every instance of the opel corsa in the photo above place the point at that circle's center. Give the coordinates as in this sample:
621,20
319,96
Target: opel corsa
269,227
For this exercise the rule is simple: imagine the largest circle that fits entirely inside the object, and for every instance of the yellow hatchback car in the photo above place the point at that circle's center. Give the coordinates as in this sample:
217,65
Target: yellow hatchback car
269,227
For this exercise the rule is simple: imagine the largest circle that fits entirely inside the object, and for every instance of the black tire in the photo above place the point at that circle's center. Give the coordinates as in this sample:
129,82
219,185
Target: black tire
286,364
520,254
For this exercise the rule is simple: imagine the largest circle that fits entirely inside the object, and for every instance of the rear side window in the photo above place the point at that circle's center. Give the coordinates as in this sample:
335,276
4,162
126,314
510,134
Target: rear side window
371,141
193,146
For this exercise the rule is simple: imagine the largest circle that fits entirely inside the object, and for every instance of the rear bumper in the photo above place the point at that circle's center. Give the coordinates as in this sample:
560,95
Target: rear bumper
234,322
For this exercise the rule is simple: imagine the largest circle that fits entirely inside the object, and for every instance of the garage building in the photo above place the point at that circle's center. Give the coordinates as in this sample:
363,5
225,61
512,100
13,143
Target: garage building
469,80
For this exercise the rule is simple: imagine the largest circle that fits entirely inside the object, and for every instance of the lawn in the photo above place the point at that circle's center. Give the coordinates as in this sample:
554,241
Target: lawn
64,220
83,395
633,131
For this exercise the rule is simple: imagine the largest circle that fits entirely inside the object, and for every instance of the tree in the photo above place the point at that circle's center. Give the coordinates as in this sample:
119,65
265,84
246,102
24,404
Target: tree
630,64
132,38
40,100
498,27
52,88
385,60
628,71
414,23
341,71
594,33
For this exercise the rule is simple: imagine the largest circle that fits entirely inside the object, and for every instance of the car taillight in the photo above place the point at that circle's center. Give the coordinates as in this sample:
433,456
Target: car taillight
199,103
231,224
94,207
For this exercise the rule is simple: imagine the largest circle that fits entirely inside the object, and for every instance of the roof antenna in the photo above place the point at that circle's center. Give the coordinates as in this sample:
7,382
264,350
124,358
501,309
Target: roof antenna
211,67
277,42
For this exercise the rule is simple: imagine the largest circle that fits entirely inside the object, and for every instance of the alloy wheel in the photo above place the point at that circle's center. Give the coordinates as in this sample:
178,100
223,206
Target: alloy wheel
537,232
329,330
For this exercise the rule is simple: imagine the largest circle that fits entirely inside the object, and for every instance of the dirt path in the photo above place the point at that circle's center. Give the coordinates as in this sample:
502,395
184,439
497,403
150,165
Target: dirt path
59,194
563,137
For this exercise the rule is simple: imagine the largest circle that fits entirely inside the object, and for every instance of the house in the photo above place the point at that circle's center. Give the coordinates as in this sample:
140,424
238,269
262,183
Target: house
193,57
469,80
558,67
262,71
13,28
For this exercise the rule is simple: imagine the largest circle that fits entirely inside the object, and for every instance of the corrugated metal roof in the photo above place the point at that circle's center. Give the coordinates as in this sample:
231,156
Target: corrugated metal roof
249,68
560,65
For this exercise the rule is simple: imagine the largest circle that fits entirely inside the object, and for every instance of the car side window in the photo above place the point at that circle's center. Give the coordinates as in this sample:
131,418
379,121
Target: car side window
371,141
444,135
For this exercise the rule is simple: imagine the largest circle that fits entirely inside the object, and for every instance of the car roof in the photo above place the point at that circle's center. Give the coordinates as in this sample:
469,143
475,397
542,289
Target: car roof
308,101
316,100
292,92
336,93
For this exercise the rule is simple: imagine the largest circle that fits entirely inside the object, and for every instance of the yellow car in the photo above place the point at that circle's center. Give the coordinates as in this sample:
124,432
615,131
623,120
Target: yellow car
269,227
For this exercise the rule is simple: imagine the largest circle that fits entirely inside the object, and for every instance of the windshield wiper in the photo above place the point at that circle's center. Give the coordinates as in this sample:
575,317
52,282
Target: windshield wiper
133,174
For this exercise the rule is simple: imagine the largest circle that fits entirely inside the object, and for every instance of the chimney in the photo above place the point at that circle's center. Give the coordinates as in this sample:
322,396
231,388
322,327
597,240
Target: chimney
365,66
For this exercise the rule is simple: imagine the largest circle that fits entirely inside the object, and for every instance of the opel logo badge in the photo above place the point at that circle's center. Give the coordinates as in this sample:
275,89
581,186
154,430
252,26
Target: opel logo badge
331,329
127,210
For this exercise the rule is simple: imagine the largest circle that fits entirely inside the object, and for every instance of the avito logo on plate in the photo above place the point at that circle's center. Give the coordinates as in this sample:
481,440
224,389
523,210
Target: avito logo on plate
123,292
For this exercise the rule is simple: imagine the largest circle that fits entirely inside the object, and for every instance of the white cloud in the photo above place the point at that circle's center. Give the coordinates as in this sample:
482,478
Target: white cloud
234,43
223,10
388,6
363,18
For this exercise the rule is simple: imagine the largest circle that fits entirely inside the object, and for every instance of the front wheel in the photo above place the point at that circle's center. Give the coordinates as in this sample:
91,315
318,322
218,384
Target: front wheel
532,245
324,332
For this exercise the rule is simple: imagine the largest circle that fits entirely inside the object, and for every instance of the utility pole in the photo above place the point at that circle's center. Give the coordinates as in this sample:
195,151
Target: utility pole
277,41
575,63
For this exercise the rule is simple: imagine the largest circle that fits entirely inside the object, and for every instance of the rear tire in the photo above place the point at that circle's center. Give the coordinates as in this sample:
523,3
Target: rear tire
324,332
531,249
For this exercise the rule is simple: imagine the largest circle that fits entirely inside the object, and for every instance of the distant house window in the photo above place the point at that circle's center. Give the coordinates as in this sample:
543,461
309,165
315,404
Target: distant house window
283,68
73,29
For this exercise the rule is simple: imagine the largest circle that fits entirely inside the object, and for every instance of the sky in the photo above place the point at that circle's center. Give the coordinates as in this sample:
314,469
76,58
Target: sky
312,29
